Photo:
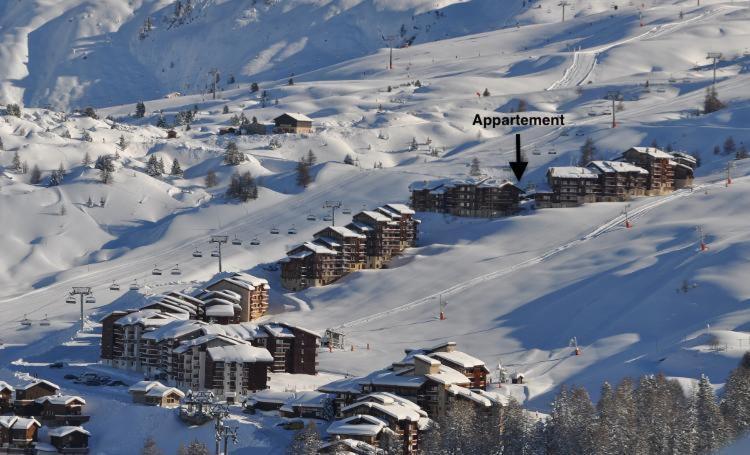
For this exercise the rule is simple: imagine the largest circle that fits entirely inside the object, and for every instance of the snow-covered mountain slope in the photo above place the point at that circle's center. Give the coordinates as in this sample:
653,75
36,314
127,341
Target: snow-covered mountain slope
518,288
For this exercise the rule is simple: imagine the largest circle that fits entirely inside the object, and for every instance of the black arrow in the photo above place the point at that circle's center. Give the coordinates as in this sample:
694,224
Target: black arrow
518,166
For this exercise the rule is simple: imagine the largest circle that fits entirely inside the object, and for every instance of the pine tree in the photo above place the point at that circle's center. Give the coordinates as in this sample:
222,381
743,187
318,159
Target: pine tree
24,167
90,203
1,144
735,405
717,150
303,173
55,178
311,158
86,136
232,154
194,448
515,427
291,81
414,145
161,123
475,168
305,441
140,109
105,176
225,110
90,112
13,109
711,102
710,427
349,160
486,92
729,146
149,445
211,180
588,151
176,169
152,166
254,87
86,159
16,166
160,166
391,442
121,143
36,175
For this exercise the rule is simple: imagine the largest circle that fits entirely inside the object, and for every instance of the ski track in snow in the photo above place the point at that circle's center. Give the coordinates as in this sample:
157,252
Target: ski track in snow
584,61
595,233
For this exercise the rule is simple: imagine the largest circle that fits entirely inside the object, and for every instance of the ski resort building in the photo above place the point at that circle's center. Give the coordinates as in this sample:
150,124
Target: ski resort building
475,197
659,165
154,393
619,181
60,410
18,434
369,241
569,186
253,293
431,378
229,360
6,397
70,439
292,122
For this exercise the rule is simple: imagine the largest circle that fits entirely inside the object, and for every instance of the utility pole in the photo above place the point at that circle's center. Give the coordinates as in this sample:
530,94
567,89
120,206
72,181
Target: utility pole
563,4
82,293
219,240
702,238
333,205
730,165
627,219
214,79
442,308
614,95
716,56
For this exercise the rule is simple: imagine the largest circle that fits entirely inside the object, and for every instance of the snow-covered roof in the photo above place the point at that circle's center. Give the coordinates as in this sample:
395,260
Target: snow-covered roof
297,116
459,358
301,329
186,345
493,396
161,390
61,399
270,396
243,330
278,330
377,216
572,172
426,359
308,399
651,151
59,432
360,226
353,446
448,375
617,166
40,381
390,404
468,394
174,329
329,242
345,232
401,208
243,280
392,378
7,421
318,248
5,386
144,386
149,318
299,255
685,156
242,352
428,184
22,423
346,385
357,425
221,310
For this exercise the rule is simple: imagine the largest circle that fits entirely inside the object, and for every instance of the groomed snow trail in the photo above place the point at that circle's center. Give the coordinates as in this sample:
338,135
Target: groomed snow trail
584,61
596,232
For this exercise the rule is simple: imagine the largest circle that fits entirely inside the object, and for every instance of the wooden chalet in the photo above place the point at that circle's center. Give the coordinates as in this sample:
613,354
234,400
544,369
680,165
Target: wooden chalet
253,292
292,122
61,410
569,186
405,418
660,179
619,181
25,404
70,439
364,428
154,393
308,265
18,432
266,400
308,404
6,397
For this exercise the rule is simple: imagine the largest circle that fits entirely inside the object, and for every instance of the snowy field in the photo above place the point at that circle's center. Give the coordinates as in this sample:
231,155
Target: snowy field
518,288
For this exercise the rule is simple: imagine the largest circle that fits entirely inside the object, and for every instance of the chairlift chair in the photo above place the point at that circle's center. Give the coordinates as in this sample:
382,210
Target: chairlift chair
327,218
25,321
114,286
70,299
134,286
176,270
311,217
236,241
156,271
274,230
197,253
346,211
90,299
45,321
292,230
215,254
255,241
